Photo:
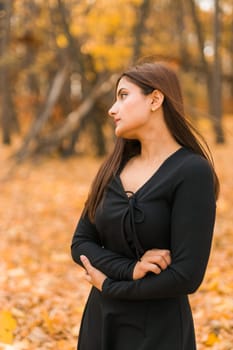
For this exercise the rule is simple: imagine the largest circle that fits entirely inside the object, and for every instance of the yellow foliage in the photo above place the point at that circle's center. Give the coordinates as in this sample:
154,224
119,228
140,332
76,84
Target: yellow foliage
107,32
61,41
75,29
110,58
7,326
212,339
48,322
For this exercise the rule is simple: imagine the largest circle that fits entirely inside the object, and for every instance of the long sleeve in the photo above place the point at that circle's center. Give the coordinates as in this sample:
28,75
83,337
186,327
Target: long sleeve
192,222
86,241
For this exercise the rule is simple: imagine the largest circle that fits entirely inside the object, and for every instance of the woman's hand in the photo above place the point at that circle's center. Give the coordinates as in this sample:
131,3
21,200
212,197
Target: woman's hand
153,260
93,276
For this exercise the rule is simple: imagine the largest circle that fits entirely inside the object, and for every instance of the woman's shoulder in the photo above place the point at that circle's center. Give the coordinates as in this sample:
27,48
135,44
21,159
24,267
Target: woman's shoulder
194,165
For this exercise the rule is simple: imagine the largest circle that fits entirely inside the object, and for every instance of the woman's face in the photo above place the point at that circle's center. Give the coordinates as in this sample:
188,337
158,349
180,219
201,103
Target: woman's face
131,110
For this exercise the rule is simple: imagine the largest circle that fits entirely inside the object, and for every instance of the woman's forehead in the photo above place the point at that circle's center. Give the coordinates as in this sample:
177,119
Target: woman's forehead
125,83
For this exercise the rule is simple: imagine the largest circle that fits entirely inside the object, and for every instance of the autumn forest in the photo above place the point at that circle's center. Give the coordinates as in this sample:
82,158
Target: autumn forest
59,62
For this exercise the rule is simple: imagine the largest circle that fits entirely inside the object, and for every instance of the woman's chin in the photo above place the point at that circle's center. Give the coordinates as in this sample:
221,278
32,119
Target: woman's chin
118,132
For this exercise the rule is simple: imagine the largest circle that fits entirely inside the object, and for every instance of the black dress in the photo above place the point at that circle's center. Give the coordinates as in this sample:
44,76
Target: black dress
174,209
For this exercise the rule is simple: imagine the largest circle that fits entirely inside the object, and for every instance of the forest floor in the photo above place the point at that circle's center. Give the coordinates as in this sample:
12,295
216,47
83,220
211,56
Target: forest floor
42,293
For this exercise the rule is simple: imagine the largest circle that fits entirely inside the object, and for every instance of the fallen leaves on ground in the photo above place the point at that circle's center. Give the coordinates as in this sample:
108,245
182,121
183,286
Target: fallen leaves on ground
42,292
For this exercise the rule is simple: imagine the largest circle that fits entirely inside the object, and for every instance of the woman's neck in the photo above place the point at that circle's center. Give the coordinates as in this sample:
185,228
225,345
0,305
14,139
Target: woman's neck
157,144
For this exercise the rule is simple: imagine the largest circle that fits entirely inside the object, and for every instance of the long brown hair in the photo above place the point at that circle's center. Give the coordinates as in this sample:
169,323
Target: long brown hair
151,76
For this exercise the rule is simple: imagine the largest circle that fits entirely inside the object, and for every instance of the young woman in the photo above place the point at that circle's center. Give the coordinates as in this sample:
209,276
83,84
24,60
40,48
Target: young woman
145,234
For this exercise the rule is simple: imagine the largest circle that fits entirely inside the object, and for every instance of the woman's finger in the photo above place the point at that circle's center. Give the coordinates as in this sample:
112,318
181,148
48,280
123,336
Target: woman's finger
93,275
154,268
158,256
151,267
157,260
166,254
86,263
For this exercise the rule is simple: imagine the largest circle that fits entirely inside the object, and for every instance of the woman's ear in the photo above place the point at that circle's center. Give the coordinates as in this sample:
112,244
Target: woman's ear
157,98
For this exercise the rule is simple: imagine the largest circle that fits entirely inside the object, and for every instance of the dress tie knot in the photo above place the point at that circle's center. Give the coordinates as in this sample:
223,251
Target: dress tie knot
136,216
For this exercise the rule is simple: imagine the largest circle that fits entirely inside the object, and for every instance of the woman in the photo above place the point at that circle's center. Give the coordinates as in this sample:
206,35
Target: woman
145,234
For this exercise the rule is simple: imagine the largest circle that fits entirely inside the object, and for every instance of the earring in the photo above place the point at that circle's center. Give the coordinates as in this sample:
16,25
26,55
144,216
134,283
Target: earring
153,109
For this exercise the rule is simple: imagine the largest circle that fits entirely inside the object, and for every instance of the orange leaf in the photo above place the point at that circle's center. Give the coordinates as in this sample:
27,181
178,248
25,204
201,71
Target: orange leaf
7,326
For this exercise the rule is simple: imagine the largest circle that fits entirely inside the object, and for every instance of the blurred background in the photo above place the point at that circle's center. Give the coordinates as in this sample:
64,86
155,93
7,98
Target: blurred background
59,61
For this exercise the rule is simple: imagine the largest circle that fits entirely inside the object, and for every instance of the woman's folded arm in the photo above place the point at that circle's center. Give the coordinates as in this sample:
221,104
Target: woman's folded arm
86,242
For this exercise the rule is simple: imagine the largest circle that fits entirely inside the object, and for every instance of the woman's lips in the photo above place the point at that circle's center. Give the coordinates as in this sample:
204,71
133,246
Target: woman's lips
116,120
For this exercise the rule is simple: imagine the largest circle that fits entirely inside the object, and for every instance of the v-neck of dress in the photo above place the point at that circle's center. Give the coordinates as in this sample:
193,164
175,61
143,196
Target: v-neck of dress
155,173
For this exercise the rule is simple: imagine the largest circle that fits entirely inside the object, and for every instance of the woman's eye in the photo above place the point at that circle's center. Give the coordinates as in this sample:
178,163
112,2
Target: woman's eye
123,95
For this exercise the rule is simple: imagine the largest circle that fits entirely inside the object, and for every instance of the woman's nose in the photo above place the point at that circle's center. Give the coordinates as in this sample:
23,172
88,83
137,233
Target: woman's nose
112,111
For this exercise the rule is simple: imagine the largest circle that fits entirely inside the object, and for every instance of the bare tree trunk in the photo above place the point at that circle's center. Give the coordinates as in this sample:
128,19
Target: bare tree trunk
98,135
75,119
140,28
80,63
201,43
199,32
32,48
217,77
231,55
8,117
180,15
208,70
44,116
